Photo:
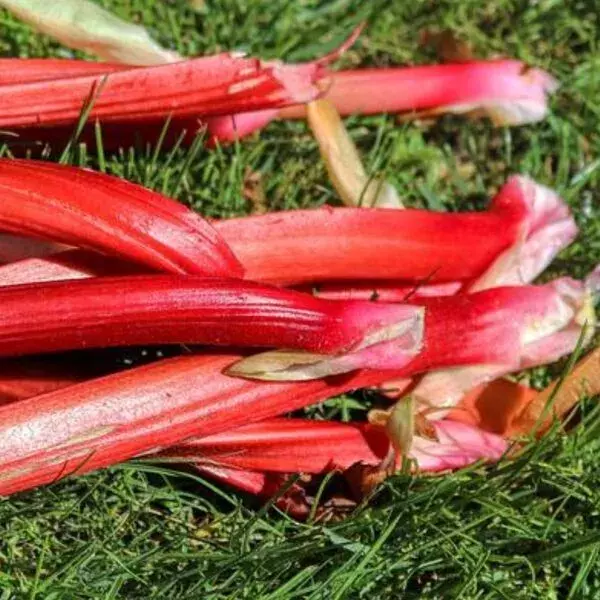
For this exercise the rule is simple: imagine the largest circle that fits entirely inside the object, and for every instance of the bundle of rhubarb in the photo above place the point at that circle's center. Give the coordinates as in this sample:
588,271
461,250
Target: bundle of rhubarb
269,314
147,93
423,307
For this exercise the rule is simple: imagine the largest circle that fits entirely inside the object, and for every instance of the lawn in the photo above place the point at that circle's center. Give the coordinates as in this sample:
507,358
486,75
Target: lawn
523,529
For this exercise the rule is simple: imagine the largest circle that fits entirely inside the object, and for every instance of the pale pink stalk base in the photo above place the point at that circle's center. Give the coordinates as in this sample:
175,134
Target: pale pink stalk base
316,447
506,90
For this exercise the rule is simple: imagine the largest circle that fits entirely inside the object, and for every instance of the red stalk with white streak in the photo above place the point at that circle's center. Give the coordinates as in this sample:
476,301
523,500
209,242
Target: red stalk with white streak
108,420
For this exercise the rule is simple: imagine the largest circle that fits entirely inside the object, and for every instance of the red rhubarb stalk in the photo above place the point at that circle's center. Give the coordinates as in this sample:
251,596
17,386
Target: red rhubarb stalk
316,447
109,215
108,420
514,241
356,243
547,228
155,309
294,501
217,85
30,70
488,333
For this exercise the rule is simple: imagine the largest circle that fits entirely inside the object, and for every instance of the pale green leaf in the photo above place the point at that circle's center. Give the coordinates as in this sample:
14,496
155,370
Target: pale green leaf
83,25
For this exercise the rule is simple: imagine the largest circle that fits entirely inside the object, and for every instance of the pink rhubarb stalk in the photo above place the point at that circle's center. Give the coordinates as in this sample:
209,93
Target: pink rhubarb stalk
104,421
316,447
508,91
81,208
155,309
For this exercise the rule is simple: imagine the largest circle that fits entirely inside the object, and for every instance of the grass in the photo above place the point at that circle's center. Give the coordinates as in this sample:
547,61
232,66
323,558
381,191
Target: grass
526,529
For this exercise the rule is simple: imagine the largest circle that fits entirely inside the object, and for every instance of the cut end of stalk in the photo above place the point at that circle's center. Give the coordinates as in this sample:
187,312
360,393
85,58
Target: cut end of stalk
510,93
570,322
298,83
547,229
531,104
388,347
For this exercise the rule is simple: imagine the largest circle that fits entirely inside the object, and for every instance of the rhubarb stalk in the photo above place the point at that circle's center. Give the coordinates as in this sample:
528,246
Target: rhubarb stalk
95,211
546,228
502,329
508,91
101,422
316,447
323,244
350,244
163,309
216,85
